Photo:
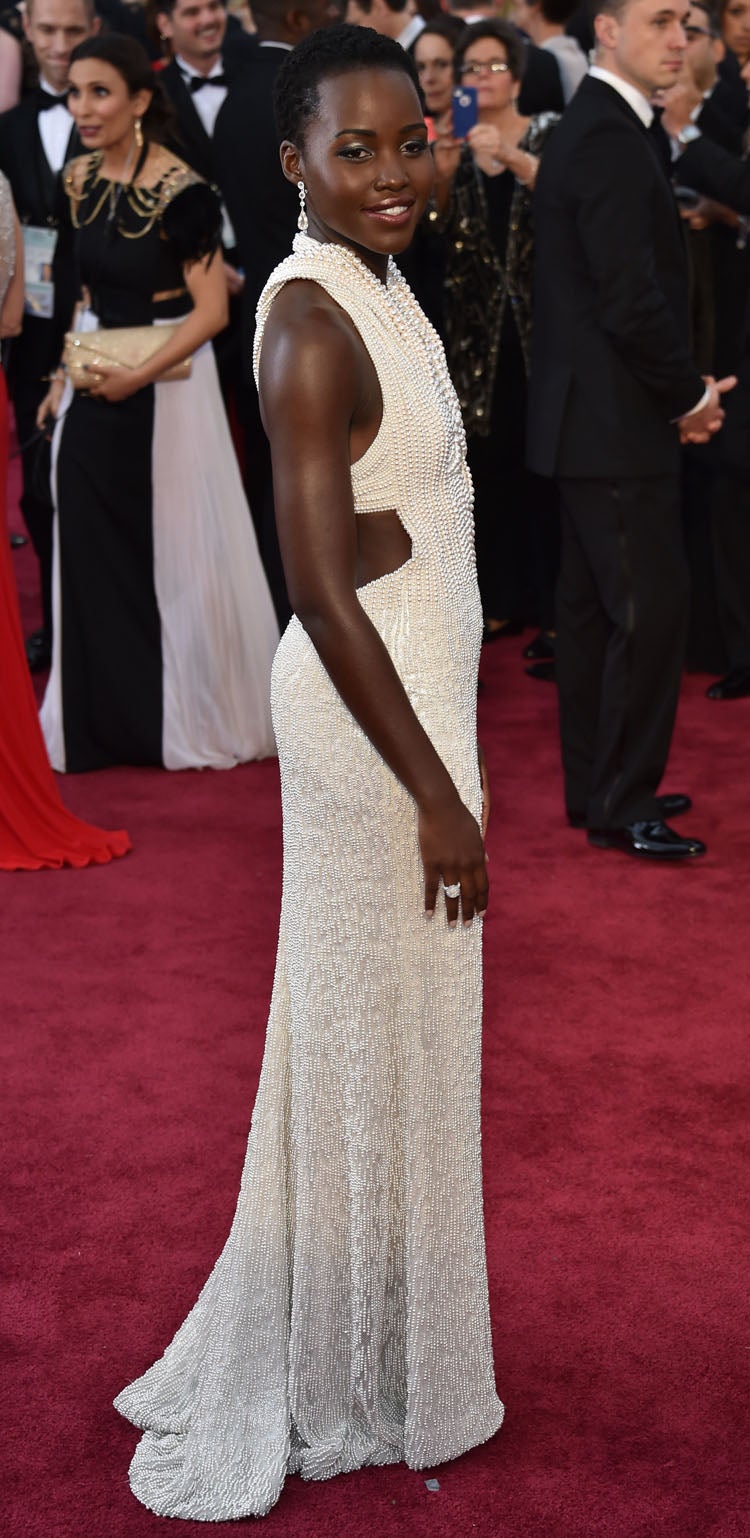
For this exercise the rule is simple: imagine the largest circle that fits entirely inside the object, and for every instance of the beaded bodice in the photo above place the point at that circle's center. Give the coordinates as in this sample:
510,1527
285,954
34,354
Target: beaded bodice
416,465
131,242
7,237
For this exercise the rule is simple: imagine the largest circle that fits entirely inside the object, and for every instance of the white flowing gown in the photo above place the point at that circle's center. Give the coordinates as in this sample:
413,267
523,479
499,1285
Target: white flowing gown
346,1321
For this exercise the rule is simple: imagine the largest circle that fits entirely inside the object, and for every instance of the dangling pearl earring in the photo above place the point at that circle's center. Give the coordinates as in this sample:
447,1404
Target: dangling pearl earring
302,216
138,131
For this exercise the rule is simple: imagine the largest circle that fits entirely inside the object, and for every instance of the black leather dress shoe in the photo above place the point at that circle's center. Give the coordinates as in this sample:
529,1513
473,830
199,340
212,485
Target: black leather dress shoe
674,805
543,672
541,649
734,686
648,841
669,806
38,652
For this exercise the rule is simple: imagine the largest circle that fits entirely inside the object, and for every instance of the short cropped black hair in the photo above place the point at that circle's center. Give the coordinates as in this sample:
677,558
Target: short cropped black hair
330,51
709,10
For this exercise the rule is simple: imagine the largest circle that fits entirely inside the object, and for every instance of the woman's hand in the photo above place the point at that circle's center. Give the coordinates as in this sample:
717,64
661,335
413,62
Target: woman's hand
486,797
446,153
494,154
490,150
51,403
112,383
451,847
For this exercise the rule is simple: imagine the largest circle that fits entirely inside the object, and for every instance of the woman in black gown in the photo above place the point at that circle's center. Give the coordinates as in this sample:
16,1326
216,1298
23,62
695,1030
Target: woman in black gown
164,629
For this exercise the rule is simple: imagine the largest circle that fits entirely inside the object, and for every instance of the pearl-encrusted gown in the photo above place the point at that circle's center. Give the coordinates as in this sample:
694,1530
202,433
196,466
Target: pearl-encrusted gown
346,1321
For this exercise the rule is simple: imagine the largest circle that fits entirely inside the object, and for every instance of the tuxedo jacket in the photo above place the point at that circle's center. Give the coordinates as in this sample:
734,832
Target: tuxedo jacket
192,143
724,115
262,205
610,361
39,198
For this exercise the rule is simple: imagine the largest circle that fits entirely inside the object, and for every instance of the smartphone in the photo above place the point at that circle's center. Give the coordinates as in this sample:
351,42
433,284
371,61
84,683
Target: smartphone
465,110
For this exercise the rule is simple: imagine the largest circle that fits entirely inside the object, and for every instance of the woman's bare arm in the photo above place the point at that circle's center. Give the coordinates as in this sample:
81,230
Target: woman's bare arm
311,381
11,71
207,286
11,314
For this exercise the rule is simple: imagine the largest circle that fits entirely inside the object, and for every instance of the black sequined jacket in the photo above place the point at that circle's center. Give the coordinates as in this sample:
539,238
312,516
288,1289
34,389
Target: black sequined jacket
479,284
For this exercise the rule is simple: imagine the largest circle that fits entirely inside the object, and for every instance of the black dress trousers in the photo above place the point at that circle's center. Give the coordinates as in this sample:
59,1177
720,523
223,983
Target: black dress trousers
622,606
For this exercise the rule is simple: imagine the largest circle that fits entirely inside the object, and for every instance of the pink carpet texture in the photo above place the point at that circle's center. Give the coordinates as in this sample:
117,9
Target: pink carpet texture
616,1144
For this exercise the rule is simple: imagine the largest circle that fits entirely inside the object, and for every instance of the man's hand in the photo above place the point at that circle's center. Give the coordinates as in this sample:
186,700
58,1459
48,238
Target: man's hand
680,102
701,425
707,211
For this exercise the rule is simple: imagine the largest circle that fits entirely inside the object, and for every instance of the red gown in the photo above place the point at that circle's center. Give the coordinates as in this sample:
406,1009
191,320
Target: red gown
36,831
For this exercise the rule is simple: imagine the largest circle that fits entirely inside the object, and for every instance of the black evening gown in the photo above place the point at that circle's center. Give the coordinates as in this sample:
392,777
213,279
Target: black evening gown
166,635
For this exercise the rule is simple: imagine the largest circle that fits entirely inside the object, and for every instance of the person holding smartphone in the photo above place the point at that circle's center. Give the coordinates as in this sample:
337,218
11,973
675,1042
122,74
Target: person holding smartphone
485,173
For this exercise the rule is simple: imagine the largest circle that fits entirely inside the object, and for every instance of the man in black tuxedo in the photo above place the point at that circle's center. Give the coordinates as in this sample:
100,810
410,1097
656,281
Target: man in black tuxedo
612,392
36,139
261,203
208,62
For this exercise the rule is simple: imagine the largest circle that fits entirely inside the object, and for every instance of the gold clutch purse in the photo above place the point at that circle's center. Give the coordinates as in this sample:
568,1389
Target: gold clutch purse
118,347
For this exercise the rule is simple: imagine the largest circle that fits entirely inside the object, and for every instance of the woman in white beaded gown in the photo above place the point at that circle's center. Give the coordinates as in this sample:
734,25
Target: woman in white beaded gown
347,1321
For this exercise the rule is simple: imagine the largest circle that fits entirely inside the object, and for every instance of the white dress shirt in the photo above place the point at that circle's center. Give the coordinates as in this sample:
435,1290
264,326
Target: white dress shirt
55,128
411,31
209,101
630,93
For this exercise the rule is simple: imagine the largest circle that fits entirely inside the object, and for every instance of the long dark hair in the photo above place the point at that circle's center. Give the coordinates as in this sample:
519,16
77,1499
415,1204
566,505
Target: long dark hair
134,66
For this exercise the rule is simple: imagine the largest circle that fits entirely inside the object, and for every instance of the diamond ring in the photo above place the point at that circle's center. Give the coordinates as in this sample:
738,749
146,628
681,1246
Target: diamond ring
454,890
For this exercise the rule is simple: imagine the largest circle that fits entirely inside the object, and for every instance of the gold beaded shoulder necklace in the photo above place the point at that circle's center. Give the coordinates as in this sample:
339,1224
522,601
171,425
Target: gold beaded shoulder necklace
147,203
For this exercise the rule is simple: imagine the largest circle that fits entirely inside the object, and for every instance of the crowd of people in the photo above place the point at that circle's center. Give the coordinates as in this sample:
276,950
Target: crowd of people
164,600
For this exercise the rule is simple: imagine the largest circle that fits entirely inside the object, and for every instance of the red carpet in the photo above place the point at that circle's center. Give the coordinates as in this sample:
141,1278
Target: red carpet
616,1146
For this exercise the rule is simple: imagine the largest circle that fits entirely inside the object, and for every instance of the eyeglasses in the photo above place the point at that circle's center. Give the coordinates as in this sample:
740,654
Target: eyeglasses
494,67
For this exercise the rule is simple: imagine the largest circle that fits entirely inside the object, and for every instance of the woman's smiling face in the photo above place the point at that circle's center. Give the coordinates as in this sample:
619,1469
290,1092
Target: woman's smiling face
365,162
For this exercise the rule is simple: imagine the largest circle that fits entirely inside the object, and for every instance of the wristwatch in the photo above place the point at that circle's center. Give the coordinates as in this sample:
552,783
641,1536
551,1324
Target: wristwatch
687,135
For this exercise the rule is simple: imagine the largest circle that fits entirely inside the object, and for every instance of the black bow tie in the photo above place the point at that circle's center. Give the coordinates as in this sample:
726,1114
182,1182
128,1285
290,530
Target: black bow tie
197,82
45,100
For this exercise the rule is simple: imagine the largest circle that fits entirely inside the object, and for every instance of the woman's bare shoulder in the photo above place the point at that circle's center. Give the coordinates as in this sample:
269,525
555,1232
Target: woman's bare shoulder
312,356
306,325
305,309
